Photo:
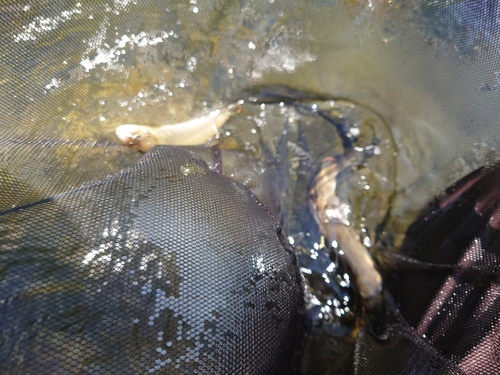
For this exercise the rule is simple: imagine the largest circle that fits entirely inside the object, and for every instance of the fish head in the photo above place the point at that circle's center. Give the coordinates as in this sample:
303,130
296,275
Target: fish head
139,137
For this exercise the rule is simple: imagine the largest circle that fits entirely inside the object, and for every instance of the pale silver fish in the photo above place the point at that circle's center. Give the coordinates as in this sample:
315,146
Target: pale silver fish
189,133
331,216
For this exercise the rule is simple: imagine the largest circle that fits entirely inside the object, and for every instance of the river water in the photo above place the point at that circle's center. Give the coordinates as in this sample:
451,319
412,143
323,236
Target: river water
100,64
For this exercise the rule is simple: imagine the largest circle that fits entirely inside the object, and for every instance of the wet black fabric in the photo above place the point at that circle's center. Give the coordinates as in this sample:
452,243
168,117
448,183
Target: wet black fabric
166,267
446,286
396,349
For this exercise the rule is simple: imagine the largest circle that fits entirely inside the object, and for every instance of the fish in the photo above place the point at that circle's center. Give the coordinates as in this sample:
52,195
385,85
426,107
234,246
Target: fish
193,132
330,214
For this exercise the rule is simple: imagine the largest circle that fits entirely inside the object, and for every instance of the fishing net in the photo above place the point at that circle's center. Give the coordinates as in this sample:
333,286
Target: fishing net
208,259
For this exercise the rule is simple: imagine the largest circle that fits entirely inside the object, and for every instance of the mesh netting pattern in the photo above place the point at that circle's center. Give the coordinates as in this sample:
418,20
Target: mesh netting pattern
445,281
100,273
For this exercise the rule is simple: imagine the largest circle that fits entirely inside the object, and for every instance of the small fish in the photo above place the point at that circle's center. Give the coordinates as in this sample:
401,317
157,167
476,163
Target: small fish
331,215
189,133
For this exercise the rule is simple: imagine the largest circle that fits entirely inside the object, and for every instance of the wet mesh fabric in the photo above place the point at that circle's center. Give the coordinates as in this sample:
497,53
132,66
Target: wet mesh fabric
456,243
167,267
445,281
397,350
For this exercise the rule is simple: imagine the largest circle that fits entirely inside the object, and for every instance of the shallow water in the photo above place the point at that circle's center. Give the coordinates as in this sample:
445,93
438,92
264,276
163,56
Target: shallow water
100,64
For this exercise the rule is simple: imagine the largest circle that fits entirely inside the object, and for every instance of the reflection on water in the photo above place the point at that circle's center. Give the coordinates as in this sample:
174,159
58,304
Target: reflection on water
115,68
41,25
99,64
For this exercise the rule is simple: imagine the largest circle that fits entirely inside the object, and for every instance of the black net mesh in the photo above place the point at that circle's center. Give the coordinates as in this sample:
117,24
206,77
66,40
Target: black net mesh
134,267
179,260
455,246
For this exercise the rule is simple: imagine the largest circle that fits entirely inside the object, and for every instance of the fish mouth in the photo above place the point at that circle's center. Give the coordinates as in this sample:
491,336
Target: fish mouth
128,133
139,137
